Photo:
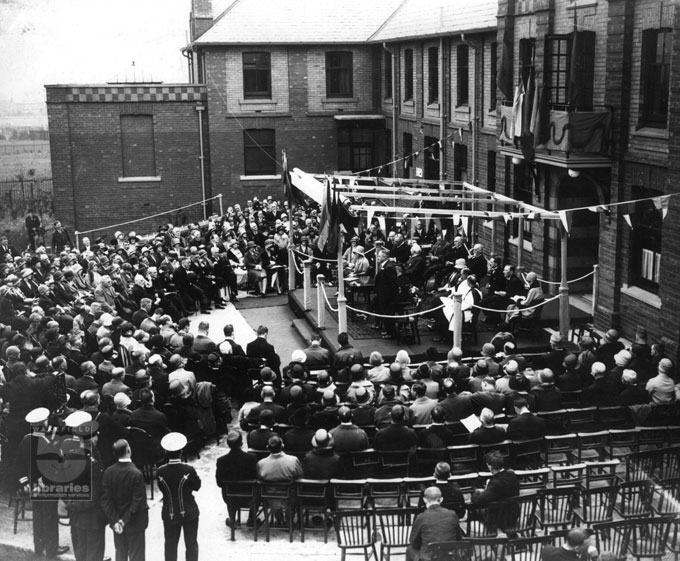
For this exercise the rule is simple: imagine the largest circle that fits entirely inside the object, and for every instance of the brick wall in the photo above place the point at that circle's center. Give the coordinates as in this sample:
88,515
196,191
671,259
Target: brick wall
85,140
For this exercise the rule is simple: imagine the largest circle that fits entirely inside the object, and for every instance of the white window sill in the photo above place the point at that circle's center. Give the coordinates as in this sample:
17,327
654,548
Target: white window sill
642,295
652,132
259,177
409,103
140,179
336,100
462,109
434,106
257,101
525,244
574,4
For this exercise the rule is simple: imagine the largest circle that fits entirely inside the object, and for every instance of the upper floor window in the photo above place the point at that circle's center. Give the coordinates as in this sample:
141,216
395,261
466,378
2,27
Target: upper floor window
432,75
558,67
646,241
493,77
137,142
259,152
527,55
407,146
655,76
339,74
460,162
463,74
570,68
408,74
388,75
257,82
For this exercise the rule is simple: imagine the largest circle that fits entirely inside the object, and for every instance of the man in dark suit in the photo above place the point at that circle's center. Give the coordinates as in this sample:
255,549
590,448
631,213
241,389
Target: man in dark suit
257,438
177,482
317,356
396,435
188,290
435,524
262,349
502,484
437,435
347,437
501,299
229,346
576,546
124,504
236,465
525,425
456,406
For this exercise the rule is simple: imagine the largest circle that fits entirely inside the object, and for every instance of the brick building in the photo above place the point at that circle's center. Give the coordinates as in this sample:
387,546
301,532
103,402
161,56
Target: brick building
348,86
125,151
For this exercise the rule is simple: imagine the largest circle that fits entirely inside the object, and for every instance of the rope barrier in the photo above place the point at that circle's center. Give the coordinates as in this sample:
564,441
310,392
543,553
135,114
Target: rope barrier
323,291
569,281
366,312
315,258
522,309
300,271
147,217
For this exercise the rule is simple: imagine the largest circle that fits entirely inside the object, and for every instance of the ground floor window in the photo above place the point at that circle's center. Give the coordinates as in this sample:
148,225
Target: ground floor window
259,151
646,241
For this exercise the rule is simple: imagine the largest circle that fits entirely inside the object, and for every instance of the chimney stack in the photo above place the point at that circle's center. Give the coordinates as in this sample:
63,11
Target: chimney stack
201,17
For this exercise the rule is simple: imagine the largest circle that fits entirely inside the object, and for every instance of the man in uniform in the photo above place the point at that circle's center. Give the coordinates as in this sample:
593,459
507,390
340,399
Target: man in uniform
124,504
87,519
178,481
34,457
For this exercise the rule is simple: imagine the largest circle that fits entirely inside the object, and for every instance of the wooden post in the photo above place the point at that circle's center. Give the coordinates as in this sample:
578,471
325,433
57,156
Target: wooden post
520,243
457,320
320,302
493,231
342,300
596,286
221,207
77,233
307,284
292,271
564,287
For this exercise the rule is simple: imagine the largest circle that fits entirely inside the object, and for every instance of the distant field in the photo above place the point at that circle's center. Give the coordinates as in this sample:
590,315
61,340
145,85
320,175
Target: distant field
13,164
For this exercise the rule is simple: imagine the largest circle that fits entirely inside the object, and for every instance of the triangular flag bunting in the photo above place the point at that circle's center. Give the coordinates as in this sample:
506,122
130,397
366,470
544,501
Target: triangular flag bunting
565,218
661,203
381,222
369,216
626,217
456,219
507,218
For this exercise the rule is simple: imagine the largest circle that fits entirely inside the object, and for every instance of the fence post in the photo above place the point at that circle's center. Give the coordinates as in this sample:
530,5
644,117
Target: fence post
596,286
564,287
342,313
320,303
457,320
307,285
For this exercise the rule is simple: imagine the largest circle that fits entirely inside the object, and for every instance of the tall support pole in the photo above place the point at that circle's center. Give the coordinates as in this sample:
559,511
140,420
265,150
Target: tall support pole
443,103
493,231
457,320
564,287
77,233
520,243
307,284
221,205
596,287
292,281
320,302
342,300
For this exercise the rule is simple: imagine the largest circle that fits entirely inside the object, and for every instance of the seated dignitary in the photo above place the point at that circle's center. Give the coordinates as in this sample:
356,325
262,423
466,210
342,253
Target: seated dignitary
321,462
502,484
236,465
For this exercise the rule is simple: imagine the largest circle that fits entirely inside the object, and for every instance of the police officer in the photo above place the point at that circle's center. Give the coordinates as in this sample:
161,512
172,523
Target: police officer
87,519
39,452
177,481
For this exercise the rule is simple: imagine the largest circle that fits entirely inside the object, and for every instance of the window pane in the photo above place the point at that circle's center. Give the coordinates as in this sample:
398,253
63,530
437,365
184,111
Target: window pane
408,74
339,74
388,75
137,143
463,62
433,74
259,152
256,75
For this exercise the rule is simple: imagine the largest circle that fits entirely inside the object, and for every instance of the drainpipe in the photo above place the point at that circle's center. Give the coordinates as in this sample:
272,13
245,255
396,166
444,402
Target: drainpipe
395,99
475,114
443,104
199,110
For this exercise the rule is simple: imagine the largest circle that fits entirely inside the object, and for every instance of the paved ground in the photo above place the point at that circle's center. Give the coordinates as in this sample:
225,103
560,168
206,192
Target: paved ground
214,541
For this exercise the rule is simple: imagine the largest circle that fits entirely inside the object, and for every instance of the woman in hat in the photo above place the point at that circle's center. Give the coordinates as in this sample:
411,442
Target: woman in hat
257,276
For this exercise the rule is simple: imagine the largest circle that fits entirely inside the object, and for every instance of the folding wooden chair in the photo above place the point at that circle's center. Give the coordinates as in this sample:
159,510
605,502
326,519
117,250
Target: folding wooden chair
557,449
527,454
532,479
276,497
556,507
394,525
239,495
451,551
614,537
354,530
592,446
567,475
312,495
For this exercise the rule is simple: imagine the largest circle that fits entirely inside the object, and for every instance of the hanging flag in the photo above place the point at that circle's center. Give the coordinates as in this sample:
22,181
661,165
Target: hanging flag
628,220
465,223
293,195
369,216
328,233
381,222
528,105
661,203
582,53
507,218
517,111
540,116
565,218
504,76
456,220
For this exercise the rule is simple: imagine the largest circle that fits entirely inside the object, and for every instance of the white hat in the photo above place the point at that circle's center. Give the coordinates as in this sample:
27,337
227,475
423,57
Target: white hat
37,416
121,400
106,319
299,356
77,418
173,441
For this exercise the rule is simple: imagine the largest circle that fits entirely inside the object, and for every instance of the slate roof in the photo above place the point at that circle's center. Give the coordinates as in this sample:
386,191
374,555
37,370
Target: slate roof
423,18
298,21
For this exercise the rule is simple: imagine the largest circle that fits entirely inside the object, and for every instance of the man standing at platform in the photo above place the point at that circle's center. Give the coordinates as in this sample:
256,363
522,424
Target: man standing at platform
124,503
178,481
